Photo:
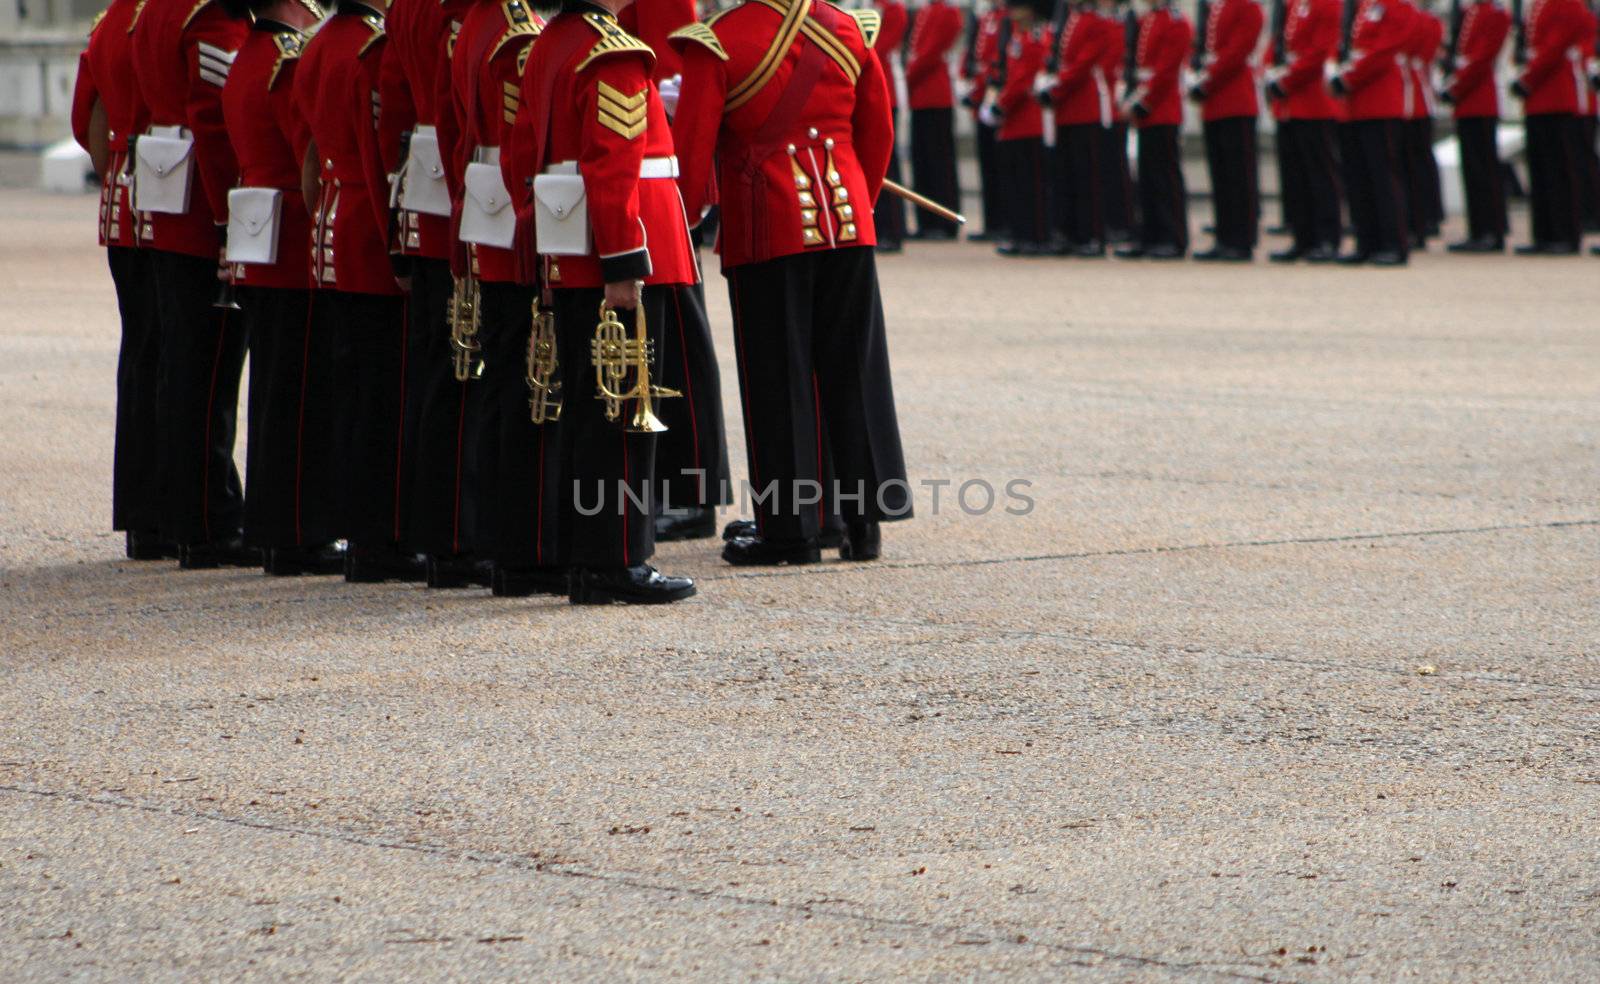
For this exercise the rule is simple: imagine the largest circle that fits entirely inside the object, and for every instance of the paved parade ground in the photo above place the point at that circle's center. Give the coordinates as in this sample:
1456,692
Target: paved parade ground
1292,672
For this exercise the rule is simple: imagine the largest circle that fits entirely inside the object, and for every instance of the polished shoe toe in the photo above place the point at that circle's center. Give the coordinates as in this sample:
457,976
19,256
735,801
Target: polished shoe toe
756,551
637,585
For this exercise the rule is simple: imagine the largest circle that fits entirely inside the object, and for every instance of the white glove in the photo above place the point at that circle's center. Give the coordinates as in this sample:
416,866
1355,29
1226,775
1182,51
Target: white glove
1043,82
989,114
670,90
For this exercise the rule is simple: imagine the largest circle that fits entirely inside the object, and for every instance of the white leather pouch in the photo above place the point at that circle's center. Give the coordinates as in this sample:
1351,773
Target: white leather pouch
561,215
253,220
423,188
163,169
487,217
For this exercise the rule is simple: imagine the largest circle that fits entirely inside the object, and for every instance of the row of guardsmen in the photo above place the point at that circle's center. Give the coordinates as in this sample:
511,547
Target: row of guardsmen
455,239
1353,86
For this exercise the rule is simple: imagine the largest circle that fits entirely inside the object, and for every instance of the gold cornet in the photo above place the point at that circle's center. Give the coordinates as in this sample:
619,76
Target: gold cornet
615,357
465,319
544,389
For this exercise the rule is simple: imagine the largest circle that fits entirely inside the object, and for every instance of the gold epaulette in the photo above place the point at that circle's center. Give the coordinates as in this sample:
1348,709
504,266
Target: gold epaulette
96,22
290,44
520,23
870,22
375,23
195,11
136,12
314,8
613,40
701,34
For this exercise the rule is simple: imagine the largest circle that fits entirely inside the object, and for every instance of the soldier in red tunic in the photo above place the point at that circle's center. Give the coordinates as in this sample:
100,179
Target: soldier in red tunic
789,99
1555,94
414,149
593,130
1226,91
1019,143
289,499
1371,83
1420,167
979,63
1081,95
935,31
1308,130
1116,180
890,212
182,51
336,89
1156,106
105,116
1469,87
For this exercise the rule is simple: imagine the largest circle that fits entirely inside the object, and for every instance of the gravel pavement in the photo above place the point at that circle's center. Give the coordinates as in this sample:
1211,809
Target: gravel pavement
1292,673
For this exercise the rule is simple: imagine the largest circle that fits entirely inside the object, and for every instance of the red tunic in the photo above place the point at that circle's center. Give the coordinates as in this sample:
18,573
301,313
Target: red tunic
651,21
103,71
1083,92
604,113
1022,116
1471,83
1560,37
1373,79
258,105
1421,51
486,92
1164,41
182,52
1311,38
1111,64
801,157
891,34
414,58
935,30
336,91
1228,84
985,56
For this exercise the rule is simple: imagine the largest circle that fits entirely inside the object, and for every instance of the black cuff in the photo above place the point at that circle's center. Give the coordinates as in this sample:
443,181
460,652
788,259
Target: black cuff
632,265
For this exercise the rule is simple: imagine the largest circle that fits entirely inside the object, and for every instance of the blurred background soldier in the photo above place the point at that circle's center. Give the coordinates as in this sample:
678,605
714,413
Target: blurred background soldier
106,115
336,89
595,123
1226,91
1156,105
1369,79
182,53
979,62
890,212
289,498
1024,168
1555,94
795,103
414,151
935,31
1421,169
1307,41
1469,87
1116,180
1079,95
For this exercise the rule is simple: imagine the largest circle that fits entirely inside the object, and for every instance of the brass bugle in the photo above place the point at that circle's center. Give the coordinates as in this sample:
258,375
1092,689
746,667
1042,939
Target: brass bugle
544,388
622,370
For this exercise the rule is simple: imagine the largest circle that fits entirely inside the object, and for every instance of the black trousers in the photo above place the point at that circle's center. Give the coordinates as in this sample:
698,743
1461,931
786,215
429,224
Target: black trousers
1589,170
889,214
1024,174
814,375
1310,170
994,220
1163,199
1482,180
1235,184
933,164
692,454
517,472
136,467
1079,218
197,402
290,496
438,422
369,341
603,515
1423,192
1554,175
1371,160
1116,183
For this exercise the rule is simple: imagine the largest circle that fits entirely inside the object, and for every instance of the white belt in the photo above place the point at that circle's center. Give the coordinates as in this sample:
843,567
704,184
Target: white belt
170,132
650,167
487,155
425,130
